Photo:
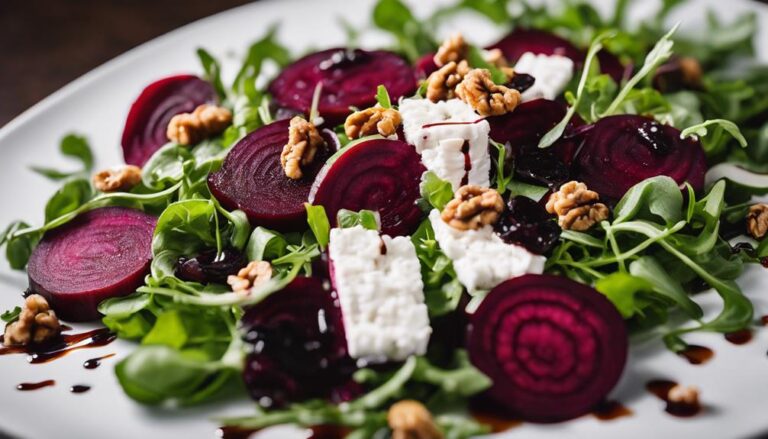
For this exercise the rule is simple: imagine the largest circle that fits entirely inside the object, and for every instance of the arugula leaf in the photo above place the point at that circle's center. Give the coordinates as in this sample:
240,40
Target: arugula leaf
436,191
462,378
442,289
166,166
476,59
713,141
621,289
519,188
10,315
656,197
263,50
319,224
119,307
557,131
75,147
212,70
187,227
411,34
503,178
265,245
72,195
648,268
382,97
366,218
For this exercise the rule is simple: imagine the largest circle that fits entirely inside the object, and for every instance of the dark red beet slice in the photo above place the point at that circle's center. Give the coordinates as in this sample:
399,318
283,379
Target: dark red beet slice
621,151
298,347
425,66
349,78
553,347
100,254
145,128
540,42
524,128
252,180
381,175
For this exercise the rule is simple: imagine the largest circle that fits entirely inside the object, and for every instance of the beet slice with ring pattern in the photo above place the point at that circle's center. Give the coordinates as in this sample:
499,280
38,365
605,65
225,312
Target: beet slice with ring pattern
621,151
100,254
253,180
554,348
147,122
381,175
349,77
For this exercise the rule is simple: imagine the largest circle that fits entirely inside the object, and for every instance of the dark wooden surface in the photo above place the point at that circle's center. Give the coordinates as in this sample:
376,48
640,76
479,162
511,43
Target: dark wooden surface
44,44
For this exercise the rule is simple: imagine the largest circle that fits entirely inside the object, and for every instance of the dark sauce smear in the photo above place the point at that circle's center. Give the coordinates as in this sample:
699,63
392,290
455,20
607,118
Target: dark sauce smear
328,432
93,363
235,432
62,346
661,389
24,387
609,410
764,320
696,354
739,337
467,162
490,415
79,388
521,82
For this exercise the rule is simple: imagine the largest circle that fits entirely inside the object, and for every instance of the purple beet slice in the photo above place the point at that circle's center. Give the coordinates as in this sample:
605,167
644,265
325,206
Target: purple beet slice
553,348
145,128
425,66
540,42
349,78
251,179
621,151
298,348
100,254
524,128
381,175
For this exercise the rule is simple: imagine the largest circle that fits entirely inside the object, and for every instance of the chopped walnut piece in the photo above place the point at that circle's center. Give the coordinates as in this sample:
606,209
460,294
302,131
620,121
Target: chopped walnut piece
757,220
473,207
303,142
495,57
372,120
409,419
190,128
37,323
121,178
679,394
577,207
250,276
441,84
454,49
488,99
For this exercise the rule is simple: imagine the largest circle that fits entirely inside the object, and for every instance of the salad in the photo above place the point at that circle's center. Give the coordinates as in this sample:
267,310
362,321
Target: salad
400,241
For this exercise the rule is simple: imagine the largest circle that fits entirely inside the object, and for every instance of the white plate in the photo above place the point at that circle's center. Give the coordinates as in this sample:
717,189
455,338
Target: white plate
734,384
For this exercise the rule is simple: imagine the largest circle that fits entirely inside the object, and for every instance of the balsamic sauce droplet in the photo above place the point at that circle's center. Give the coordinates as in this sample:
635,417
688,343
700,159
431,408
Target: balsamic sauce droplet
79,388
696,354
93,363
739,337
661,389
34,386
609,410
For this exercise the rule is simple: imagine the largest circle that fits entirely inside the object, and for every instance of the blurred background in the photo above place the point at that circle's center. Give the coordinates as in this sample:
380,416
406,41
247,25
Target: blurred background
47,43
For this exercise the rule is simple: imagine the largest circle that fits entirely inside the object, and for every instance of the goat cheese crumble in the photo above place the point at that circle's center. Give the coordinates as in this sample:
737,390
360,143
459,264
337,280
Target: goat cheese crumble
451,138
378,280
552,74
480,257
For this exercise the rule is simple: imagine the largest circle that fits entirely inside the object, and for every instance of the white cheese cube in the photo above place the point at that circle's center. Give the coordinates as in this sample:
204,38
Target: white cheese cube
552,74
480,257
443,132
378,281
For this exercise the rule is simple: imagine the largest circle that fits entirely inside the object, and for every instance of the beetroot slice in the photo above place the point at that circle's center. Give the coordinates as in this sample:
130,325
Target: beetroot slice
251,179
349,78
540,42
553,347
298,345
100,254
381,175
621,151
145,128
524,128
425,66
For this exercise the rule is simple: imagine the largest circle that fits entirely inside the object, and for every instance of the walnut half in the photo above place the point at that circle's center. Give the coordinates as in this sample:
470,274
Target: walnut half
250,276
190,128
122,178
757,220
374,120
442,83
37,323
577,207
409,419
303,143
454,49
484,96
473,207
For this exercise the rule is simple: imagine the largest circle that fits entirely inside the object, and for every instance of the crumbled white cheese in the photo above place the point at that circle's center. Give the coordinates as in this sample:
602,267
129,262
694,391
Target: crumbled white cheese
378,280
552,74
480,257
442,132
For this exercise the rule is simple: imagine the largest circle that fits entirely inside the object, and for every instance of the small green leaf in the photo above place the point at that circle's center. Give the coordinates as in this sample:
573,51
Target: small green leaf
72,195
436,191
382,97
475,59
265,245
621,288
11,315
169,330
701,130
120,307
366,218
319,224
519,188
212,70
654,198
